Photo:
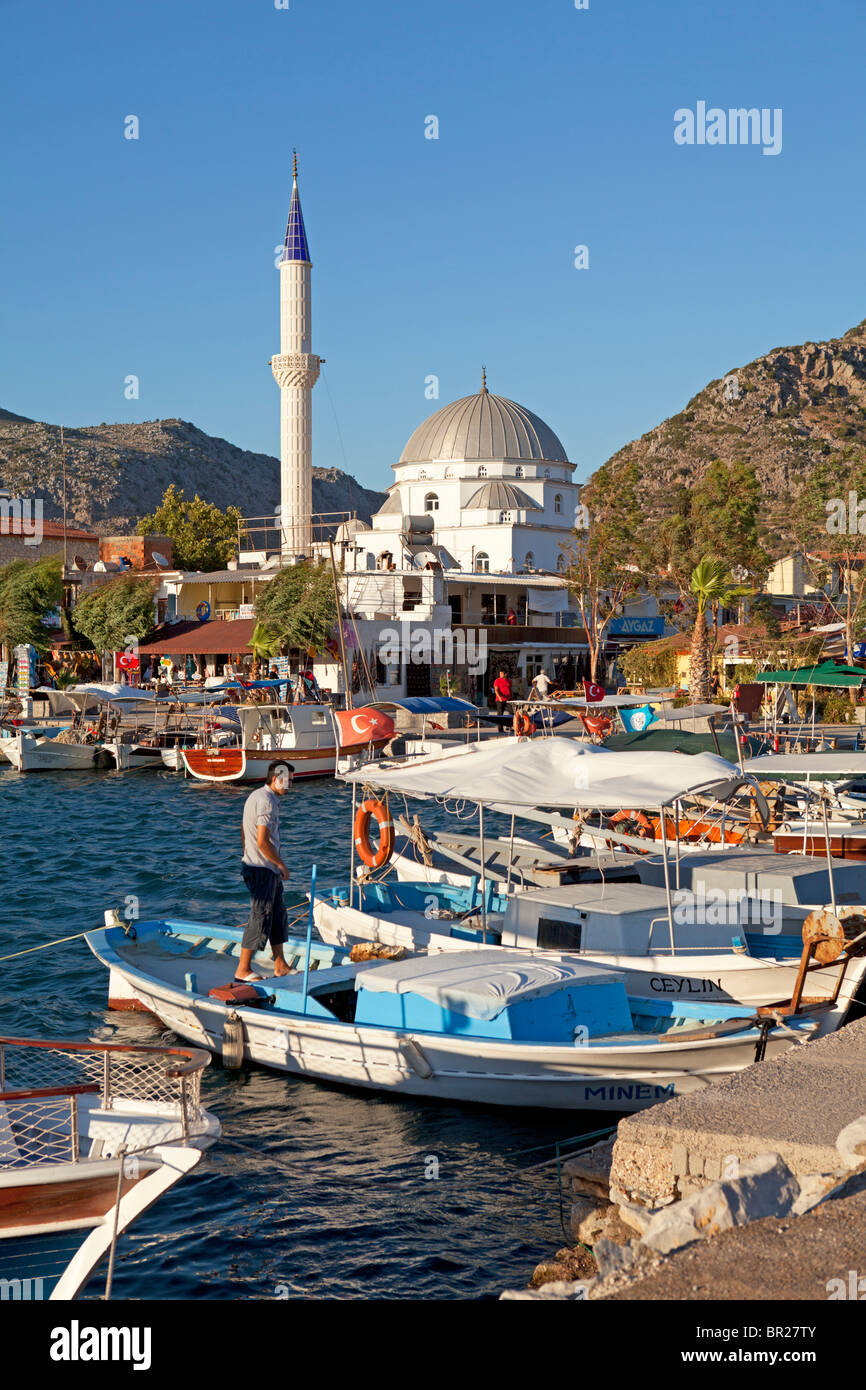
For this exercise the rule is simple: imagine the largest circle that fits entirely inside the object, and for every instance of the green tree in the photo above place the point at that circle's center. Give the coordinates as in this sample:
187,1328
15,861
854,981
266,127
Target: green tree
604,558
828,529
297,608
719,515
110,614
712,585
27,593
204,538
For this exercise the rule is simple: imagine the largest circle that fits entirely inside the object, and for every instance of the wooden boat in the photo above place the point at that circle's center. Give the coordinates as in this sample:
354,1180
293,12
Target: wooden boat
311,737
91,1135
485,1026
29,753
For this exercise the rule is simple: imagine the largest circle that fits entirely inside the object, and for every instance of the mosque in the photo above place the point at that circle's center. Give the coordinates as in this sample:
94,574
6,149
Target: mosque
474,526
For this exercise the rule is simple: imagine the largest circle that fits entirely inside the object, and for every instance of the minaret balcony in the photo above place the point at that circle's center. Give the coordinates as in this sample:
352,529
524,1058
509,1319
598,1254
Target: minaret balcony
296,369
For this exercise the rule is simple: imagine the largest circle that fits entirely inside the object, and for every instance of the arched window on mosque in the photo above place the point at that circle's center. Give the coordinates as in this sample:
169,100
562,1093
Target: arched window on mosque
449,472
422,473
560,564
547,472
529,562
431,502
557,502
518,472
505,518
482,472
482,562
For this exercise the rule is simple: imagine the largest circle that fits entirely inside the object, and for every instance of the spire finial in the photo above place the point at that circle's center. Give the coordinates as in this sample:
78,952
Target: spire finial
484,379
295,165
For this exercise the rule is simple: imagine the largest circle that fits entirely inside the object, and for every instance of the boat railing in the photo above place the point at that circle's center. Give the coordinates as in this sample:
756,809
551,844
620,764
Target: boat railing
37,1072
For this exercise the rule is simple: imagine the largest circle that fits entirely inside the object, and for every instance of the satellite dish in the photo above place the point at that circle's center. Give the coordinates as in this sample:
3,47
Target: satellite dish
79,562
159,559
100,567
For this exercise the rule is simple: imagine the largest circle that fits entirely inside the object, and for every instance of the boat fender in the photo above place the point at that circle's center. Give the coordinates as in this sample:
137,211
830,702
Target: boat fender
412,1053
233,1042
367,812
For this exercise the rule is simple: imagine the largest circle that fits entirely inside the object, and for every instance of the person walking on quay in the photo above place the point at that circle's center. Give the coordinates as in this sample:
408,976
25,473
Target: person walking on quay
540,688
263,872
502,694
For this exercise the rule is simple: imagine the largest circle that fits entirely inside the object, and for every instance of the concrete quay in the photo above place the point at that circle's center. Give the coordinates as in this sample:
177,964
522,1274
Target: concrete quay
754,1188
795,1105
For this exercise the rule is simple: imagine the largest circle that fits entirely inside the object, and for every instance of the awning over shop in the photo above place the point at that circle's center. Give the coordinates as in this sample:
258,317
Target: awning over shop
200,639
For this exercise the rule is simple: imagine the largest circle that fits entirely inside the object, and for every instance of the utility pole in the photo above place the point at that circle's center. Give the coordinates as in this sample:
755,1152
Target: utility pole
63,465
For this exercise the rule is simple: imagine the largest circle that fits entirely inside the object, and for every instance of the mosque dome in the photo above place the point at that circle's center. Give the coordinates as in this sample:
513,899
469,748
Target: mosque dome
484,427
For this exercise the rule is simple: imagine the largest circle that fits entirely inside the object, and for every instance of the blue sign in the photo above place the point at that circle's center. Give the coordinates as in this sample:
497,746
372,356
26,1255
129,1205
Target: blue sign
637,627
859,651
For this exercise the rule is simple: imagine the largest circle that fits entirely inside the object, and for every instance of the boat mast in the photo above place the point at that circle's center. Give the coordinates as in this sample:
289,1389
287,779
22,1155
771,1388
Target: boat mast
347,681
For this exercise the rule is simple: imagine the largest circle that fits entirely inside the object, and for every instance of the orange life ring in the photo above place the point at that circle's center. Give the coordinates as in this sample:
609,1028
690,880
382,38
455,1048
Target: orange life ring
522,725
643,821
367,812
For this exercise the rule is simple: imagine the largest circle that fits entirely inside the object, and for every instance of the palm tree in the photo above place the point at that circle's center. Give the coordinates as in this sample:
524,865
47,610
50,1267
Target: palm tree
265,644
712,583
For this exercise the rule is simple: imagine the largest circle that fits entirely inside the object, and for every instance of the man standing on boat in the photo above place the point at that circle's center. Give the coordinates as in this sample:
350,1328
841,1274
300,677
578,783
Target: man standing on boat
263,871
502,694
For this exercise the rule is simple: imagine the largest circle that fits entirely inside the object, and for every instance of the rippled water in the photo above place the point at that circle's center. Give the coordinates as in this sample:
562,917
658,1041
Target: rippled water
314,1190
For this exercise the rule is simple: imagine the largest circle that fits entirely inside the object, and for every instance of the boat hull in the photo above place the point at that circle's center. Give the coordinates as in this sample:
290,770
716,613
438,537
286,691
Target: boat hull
28,754
621,1076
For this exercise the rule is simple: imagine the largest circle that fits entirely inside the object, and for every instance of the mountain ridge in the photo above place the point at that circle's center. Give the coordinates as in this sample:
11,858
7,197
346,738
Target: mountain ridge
117,473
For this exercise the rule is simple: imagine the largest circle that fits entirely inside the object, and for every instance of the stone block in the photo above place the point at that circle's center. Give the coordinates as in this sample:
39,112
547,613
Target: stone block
765,1187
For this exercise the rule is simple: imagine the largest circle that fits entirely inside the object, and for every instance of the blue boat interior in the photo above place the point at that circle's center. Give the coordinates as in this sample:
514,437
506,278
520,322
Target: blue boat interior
501,995
449,909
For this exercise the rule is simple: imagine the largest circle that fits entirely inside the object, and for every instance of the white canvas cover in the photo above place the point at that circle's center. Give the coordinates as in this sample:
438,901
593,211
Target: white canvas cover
554,772
831,764
480,983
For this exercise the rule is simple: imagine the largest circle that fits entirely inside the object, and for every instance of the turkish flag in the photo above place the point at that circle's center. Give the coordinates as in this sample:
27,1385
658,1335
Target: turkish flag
593,692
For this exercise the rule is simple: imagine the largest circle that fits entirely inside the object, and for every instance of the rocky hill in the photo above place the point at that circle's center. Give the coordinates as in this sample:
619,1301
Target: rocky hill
118,473
782,413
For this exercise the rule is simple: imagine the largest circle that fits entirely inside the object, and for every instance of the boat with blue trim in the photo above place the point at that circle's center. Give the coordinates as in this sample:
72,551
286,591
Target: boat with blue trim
538,1029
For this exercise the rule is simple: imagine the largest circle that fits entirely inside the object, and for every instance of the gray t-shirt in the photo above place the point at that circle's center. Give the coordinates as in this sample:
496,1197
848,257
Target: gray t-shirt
262,807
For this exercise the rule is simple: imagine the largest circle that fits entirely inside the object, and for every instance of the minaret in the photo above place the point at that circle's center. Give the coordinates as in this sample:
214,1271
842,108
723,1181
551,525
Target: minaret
296,371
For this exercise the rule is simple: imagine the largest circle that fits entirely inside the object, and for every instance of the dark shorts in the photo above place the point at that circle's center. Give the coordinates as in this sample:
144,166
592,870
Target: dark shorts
268,921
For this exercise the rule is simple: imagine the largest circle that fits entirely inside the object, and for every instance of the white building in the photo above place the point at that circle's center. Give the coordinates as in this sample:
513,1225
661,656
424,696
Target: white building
489,482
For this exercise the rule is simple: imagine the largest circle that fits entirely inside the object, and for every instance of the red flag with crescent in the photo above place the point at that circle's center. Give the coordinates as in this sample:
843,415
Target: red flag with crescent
593,692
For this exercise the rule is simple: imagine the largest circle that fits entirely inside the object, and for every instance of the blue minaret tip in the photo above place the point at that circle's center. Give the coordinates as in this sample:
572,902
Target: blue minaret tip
295,246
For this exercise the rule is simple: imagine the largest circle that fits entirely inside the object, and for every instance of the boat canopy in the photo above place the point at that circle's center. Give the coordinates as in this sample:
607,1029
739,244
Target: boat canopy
428,704
828,673
556,771
837,763
483,985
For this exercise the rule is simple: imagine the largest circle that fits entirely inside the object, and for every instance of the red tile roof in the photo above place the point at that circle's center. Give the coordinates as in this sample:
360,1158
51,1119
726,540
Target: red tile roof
12,526
200,639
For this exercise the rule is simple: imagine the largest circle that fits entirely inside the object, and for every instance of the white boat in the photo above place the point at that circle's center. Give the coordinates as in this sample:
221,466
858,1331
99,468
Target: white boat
311,736
486,1026
91,1135
29,753
710,925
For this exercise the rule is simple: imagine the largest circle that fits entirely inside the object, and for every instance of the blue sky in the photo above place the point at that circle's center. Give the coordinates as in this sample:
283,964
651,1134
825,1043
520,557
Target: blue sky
155,257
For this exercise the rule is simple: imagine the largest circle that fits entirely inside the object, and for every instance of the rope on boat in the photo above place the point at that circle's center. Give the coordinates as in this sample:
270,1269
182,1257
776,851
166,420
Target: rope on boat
121,1154
45,946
